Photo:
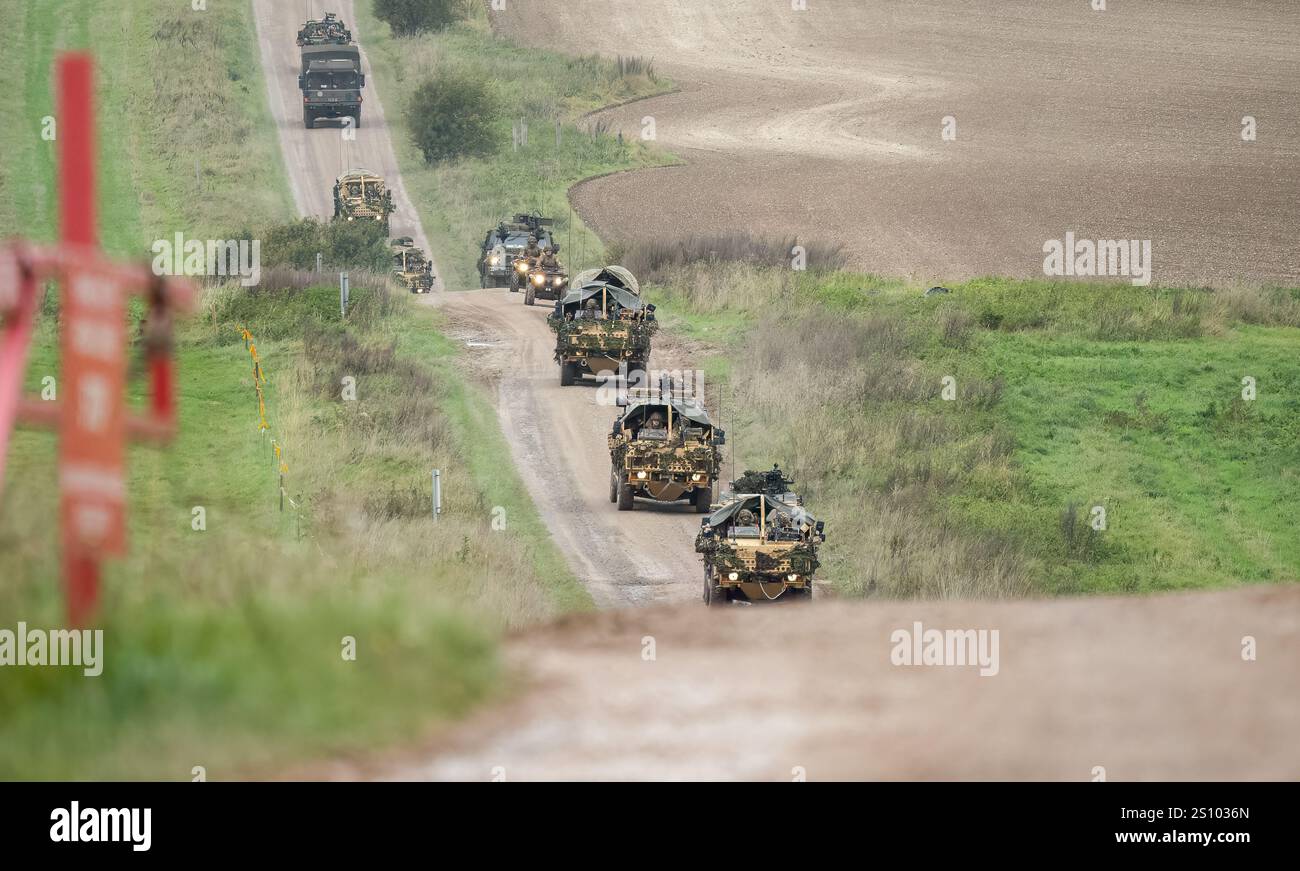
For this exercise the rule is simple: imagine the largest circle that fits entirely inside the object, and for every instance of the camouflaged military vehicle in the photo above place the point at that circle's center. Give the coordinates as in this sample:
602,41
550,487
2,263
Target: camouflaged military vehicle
505,243
324,31
601,323
331,81
663,447
361,195
410,266
759,544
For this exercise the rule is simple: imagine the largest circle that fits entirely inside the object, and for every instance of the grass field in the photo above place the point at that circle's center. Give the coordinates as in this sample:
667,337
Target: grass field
184,147
224,644
1067,398
459,202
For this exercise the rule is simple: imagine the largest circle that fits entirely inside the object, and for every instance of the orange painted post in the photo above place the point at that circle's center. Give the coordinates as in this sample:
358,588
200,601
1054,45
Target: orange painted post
91,413
93,428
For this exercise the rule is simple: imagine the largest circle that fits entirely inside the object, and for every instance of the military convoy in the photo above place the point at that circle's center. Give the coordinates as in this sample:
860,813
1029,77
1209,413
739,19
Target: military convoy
410,266
331,81
663,447
601,325
505,244
361,195
759,543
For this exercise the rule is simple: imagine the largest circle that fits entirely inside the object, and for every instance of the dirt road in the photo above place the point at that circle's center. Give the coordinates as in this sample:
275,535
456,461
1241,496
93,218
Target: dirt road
827,123
1144,688
557,439
314,158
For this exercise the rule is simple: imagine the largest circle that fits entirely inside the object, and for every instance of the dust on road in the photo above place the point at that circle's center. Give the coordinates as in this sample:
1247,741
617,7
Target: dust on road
826,123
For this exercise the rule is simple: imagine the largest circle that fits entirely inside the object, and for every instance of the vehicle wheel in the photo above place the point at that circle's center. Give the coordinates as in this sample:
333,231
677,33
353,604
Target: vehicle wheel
625,499
483,280
308,120
530,296
514,282
356,120
613,485
701,499
566,374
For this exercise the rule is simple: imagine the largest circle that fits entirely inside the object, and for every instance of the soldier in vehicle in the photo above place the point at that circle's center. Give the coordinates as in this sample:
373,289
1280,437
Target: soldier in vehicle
590,311
745,517
548,260
654,425
531,251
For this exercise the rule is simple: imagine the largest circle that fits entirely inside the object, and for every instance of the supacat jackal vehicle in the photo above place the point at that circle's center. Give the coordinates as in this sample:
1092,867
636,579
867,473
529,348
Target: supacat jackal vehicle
324,31
600,323
331,83
361,195
759,543
505,243
410,266
663,447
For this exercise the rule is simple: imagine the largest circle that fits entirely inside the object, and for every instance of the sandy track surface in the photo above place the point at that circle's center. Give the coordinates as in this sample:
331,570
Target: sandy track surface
314,158
826,123
1151,688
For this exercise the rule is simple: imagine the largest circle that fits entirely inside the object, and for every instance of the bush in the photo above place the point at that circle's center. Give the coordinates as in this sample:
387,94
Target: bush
343,244
407,17
453,116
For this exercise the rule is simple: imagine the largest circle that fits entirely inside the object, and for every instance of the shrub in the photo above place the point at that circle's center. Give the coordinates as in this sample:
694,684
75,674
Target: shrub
452,116
407,17
342,244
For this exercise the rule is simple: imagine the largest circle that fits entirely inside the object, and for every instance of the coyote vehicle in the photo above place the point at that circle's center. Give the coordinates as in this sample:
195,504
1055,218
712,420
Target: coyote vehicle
324,31
760,543
360,195
410,266
505,243
663,447
331,81
546,281
601,323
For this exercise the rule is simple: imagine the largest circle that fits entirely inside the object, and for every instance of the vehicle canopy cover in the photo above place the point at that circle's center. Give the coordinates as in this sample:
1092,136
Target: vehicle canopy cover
577,297
615,276
638,410
315,54
724,514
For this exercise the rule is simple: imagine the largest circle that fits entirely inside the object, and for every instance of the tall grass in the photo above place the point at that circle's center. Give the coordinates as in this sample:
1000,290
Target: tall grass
1066,397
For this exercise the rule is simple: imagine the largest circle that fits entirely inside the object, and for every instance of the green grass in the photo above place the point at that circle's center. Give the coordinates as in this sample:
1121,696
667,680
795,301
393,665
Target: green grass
1069,396
158,120
459,202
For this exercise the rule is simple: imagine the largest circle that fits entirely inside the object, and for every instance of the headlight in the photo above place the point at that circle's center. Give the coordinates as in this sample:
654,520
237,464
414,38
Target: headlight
351,218
792,578
696,477
558,281
640,476
734,576
521,266
379,217
539,280
495,261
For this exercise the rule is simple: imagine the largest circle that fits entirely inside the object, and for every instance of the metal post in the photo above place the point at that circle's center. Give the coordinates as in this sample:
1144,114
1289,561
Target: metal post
437,493
318,262
343,293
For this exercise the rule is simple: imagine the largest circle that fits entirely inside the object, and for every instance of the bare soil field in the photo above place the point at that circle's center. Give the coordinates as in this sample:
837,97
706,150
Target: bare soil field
826,123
